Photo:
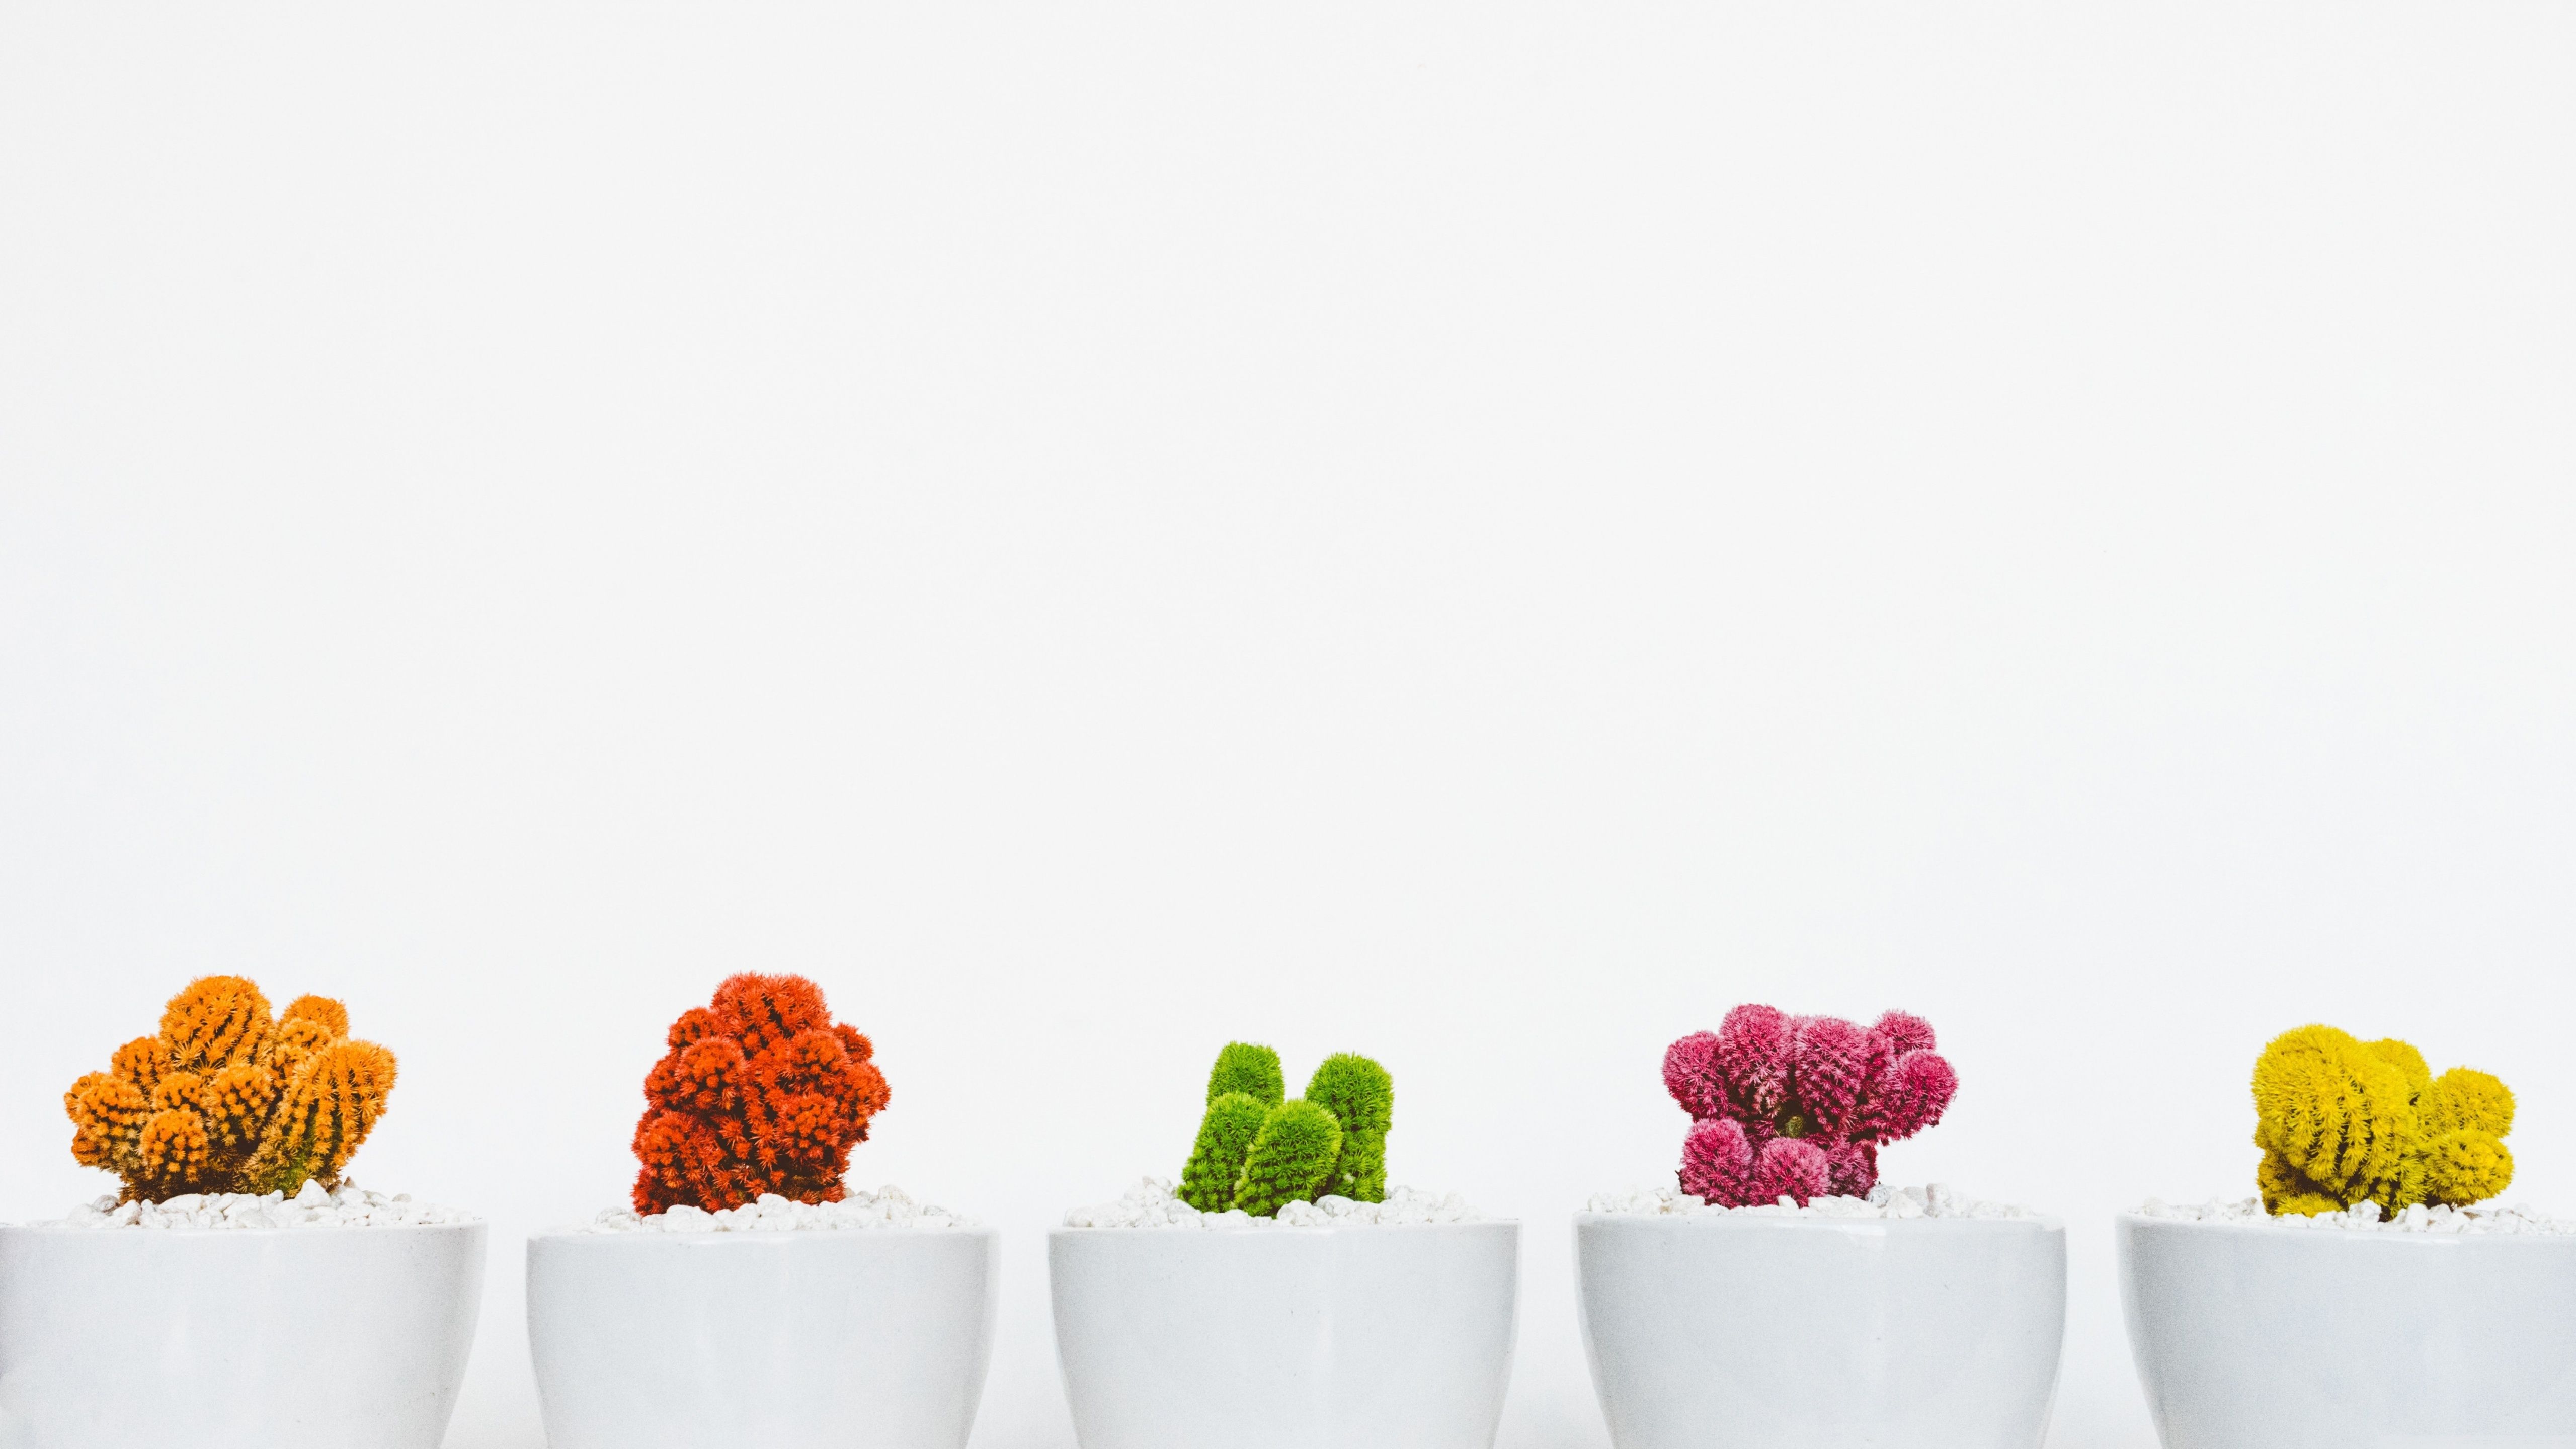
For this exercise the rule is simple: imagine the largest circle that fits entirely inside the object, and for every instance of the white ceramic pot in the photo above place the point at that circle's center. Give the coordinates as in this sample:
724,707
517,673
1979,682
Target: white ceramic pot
852,1338
1784,1333
235,1338
2258,1336
1286,1338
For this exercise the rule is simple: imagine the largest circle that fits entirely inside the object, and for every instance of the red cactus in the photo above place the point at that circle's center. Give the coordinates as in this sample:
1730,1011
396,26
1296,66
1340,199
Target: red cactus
1691,1074
759,1093
1798,1105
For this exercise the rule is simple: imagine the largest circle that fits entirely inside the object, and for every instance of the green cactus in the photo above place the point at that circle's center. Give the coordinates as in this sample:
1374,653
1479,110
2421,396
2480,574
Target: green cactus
1225,1138
1290,1158
1361,1097
1258,1151
1251,1070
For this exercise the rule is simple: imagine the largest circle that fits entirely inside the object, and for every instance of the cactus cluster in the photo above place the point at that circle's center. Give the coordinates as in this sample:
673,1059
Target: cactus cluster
1798,1106
1259,1151
227,1098
2342,1121
759,1093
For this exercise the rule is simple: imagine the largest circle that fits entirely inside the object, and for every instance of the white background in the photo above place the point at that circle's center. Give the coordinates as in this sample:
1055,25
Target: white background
1483,534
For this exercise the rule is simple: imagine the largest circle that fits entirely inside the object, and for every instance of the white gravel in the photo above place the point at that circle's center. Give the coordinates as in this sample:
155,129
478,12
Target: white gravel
1151,1204
887,1207
2366,1218
349,1207
1935,1201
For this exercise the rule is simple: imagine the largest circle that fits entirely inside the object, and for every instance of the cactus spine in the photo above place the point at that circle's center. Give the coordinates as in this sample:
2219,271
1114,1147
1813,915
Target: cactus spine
2342,1121
1798,1106
226,1098
1290,1159
760,1092
1361,1097
1257,1151
1225,1139
1252,1070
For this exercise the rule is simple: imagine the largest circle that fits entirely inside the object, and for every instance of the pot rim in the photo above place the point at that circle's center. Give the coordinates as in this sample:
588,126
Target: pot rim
564,1234
304,1230
2047,1222
2273,1228
1275,1229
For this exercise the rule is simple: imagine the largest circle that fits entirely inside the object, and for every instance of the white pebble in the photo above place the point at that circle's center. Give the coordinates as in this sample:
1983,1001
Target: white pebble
2366,1217
1151,1203
348,1206
1884,1201
887,1207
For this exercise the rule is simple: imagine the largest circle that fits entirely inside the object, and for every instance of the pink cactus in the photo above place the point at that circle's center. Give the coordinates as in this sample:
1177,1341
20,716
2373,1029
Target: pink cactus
1797,1106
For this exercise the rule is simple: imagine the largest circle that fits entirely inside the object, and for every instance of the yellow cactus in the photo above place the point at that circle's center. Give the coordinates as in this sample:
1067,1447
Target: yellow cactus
228,1099
2463,1098
2403,1056
2343,1121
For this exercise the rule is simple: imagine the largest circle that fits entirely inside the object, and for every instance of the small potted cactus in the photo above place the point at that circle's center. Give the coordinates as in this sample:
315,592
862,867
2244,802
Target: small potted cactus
1284,1295
2368,1292
746,1294
237,1289
1777,1258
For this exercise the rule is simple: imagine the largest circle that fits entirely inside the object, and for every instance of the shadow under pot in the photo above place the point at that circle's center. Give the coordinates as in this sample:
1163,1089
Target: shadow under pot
1744,1332
2253,1335
235,1338
1286,1337
853,1338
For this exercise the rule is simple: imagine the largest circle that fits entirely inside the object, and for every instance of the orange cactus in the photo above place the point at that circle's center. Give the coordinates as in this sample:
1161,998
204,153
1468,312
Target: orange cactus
759,1093
330,1107
227,1099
